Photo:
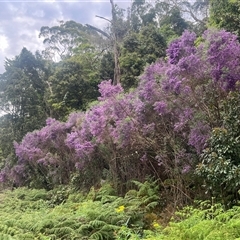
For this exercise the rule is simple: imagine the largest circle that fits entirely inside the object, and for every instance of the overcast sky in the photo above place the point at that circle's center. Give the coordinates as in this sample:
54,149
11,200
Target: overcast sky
21,20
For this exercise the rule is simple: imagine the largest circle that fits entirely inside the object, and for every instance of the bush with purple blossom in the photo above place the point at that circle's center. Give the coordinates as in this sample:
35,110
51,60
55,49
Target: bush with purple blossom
160,128
44,156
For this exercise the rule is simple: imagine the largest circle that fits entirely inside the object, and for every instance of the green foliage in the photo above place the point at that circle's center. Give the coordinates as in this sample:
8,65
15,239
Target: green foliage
140,49
29,214
71,88
148,192
107,66
220,166
207,221
224,14
21,99
63,214
22,92
174,21
62,40
142,14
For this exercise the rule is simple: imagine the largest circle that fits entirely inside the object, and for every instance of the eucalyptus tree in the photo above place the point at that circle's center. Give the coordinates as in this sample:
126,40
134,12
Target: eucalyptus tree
197,11
63,39
174,21
76,74
142,13
118,28
193,13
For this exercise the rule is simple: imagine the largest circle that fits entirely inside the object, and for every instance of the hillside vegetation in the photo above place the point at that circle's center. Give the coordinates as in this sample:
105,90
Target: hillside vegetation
153,153
101,214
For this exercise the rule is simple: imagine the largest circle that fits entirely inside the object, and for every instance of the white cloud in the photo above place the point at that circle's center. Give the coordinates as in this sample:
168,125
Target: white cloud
3,43
21,20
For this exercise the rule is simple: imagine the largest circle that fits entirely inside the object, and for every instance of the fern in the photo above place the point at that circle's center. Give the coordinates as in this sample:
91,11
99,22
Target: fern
4,236
101,235
45,224
106,190
152,205
60,232
97,229
67,223
25,236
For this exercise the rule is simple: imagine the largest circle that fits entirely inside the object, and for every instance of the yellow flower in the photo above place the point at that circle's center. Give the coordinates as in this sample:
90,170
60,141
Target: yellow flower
120,209
155,224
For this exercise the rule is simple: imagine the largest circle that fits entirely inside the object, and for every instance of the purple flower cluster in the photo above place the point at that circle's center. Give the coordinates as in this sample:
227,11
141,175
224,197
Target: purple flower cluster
181,47
170,111
223,57
108,90
198,136
160,107
216,58
44,149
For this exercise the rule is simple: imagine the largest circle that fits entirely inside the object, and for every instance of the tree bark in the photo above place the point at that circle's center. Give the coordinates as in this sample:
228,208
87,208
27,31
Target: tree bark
117,72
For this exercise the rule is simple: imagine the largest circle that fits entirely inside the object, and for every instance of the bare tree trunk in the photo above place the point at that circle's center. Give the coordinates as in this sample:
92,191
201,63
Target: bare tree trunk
117,73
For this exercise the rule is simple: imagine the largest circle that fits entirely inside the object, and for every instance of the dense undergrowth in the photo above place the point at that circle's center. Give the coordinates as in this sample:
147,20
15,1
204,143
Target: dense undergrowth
101,214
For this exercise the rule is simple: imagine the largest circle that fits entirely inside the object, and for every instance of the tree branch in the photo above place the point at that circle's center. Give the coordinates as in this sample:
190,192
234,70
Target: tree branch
104,18
98,30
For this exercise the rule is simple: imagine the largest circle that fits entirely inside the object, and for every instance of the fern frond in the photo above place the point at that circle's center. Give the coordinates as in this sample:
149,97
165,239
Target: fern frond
97,223
131,194
68,223
12,231
4,236
100,235
61,231
25,236
85,229
151,206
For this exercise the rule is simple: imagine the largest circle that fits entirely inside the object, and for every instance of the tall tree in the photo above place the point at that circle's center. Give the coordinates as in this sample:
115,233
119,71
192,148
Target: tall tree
142,13
117,73
140,49
195,12
61,40
22,92
22,100
174,21
225,14
72,87
118,29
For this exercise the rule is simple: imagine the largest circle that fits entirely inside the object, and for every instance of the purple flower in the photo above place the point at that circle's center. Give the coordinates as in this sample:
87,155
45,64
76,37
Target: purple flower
186,169
198,136
160,107
148,129
107,90
183,119
181,47
50,121
144,158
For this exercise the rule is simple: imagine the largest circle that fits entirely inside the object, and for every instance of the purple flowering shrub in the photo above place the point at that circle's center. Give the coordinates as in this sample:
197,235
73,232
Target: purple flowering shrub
110,132
188,92
161,128
43,157
200,80
196,82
